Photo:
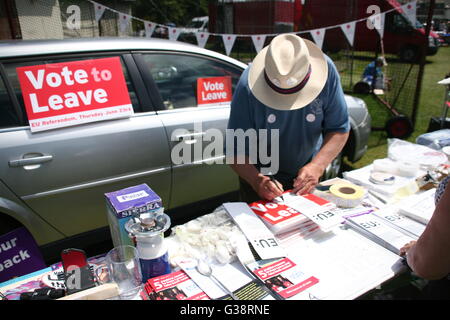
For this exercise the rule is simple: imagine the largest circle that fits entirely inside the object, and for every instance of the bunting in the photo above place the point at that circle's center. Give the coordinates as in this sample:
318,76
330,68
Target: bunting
258,41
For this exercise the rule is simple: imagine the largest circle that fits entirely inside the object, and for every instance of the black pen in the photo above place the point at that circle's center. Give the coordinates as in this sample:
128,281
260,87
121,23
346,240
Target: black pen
274,181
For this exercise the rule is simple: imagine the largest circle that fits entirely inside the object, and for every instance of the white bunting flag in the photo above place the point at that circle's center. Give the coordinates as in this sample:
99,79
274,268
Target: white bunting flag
258,41
318,36
149,28
377,21
410,10
124,21
349,31
228,41
202,38
99,10
174,33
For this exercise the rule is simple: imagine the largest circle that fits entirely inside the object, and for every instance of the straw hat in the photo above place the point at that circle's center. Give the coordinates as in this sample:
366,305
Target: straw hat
289,73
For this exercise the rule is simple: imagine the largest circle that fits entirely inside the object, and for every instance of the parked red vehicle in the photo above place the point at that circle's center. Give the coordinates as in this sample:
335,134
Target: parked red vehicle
400,36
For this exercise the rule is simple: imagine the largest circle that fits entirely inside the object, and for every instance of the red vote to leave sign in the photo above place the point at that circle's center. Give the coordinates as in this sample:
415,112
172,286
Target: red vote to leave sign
215,90
69,93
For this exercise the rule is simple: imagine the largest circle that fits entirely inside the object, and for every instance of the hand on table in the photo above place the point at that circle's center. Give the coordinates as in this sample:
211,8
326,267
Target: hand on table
404,250
307,178
266,188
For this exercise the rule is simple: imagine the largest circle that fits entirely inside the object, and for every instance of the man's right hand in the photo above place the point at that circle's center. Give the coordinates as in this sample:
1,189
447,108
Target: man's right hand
267,189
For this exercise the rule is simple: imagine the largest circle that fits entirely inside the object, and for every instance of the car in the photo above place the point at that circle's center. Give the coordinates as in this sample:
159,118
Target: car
53,182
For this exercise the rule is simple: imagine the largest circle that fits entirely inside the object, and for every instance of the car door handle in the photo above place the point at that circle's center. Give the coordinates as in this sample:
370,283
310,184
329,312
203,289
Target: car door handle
193,135
30,161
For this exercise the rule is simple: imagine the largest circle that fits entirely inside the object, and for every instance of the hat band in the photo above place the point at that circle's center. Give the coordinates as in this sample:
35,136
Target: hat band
295,89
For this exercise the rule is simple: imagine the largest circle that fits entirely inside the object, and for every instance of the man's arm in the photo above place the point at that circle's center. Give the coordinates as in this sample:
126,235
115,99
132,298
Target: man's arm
309,175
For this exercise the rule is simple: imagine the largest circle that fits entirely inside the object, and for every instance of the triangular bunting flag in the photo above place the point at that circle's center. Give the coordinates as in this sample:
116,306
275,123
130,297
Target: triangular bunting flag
99,10
228,41
377,21
124,21
174,33
349,31
318,36
202,38
258,41
410,9
149,28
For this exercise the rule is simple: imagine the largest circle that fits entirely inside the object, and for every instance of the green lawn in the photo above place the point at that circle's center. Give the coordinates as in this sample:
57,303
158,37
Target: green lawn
431,100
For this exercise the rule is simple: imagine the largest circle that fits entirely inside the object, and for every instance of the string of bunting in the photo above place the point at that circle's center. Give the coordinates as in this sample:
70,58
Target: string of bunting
376,21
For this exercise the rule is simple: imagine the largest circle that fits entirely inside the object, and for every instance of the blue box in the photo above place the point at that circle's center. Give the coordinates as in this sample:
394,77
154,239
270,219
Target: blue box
123,204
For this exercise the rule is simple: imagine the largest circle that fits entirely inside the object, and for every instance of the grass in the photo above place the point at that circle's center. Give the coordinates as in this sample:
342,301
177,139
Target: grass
430,104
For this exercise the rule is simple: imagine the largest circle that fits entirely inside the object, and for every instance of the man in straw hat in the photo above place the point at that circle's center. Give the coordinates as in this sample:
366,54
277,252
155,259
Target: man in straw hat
294,87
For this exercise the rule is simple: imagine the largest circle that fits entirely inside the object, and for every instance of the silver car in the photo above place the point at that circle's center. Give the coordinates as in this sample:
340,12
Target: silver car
53,182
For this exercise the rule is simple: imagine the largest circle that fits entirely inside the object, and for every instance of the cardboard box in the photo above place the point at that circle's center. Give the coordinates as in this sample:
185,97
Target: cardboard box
123,204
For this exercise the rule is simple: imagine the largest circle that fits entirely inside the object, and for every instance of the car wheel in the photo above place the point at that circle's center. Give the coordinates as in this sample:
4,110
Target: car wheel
409,54
334,168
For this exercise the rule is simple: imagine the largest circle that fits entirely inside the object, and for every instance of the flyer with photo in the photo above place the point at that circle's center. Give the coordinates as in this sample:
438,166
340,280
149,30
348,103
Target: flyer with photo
174,286
283,276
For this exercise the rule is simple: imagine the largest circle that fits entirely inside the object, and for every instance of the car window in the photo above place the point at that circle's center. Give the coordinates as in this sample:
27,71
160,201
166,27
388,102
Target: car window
176,76
8,116
14,80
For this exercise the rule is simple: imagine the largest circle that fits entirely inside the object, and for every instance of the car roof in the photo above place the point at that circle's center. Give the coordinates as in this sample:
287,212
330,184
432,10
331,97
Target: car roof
25,48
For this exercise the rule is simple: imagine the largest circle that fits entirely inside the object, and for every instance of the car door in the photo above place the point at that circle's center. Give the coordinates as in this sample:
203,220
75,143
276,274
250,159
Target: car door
175,75
62,174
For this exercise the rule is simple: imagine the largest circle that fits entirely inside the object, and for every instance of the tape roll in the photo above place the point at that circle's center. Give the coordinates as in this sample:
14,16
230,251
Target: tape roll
347,195
382,178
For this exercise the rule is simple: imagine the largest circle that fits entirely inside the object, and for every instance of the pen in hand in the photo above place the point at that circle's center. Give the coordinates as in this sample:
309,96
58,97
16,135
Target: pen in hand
276,184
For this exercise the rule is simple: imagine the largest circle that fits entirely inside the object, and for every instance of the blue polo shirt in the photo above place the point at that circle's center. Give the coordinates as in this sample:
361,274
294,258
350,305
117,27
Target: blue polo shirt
300,131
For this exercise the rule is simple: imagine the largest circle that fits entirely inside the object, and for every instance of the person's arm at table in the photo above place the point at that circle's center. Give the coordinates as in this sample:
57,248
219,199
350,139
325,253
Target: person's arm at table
262,184
309,175
429,257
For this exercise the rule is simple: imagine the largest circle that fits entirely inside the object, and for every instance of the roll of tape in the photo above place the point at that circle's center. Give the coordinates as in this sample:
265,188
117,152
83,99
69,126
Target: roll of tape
347,195
382,178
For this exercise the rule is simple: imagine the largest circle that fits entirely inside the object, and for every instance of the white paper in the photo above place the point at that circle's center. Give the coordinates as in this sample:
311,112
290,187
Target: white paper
419,206
391,215
326,216
346,263
377,227
257,233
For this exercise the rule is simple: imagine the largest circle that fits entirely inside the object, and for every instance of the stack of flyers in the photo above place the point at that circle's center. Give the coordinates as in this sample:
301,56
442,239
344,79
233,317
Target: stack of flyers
379,231
279,217
283,277
174,286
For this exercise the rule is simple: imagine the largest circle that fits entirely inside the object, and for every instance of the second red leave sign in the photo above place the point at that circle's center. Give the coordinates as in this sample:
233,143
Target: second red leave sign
216,90
69,93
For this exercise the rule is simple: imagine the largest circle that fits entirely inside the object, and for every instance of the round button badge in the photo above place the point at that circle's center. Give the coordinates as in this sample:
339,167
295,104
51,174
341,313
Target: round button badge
271,118
310,117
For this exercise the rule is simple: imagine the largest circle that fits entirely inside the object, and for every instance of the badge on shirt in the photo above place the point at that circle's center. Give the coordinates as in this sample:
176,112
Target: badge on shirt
271,118
310,117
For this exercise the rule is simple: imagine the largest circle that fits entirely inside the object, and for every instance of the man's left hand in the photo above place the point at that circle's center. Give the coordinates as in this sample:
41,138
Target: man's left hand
307,178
